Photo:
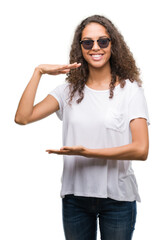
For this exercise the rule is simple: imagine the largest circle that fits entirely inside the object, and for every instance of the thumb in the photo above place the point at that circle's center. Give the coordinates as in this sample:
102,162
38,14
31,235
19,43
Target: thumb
65,148
62,148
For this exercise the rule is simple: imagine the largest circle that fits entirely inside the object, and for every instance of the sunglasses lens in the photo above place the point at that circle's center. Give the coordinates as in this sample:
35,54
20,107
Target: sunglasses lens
103,43
87,44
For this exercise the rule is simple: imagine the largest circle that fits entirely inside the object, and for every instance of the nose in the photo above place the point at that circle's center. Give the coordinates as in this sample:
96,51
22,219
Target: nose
95,46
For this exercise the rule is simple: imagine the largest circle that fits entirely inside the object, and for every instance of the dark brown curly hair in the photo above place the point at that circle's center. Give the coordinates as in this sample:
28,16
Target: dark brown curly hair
121,61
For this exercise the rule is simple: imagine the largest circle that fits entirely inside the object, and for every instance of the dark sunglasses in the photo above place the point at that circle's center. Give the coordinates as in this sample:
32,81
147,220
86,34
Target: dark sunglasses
102,42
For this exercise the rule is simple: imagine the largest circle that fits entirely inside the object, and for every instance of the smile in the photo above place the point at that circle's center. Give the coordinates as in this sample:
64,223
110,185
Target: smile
96,57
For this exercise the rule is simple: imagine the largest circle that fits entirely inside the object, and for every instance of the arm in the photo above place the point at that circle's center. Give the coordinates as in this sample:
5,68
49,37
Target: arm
137,150
26,111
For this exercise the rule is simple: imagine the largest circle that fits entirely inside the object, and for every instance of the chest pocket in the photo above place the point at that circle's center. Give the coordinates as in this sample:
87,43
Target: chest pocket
115,120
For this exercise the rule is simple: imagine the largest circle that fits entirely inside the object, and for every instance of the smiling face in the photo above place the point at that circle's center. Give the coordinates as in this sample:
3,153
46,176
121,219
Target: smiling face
96,57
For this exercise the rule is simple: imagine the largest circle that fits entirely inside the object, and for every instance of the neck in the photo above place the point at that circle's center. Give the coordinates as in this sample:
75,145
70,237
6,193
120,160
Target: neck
99,76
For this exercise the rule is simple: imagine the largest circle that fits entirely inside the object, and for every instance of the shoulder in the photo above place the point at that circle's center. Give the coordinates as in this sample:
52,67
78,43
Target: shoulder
131,90
132,87
134,93
61,91
62,88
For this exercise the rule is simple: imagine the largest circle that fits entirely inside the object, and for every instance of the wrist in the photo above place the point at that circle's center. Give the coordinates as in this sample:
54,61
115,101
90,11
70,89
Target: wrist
39,70
87,152
94,153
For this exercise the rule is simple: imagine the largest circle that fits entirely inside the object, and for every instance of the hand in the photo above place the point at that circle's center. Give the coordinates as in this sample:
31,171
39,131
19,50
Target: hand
74,150
57,69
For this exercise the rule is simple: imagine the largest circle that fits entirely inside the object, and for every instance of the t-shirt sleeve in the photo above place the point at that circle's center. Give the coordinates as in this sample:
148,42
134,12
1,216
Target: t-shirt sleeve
57,93
138,106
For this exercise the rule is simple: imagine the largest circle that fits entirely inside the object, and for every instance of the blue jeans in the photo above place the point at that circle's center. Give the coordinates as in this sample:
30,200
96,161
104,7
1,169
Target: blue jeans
116,218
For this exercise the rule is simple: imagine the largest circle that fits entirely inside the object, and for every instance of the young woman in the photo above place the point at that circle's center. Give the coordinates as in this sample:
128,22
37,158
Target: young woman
105,127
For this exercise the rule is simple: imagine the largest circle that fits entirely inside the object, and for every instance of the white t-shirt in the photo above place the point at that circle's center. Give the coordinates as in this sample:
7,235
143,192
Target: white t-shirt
99,122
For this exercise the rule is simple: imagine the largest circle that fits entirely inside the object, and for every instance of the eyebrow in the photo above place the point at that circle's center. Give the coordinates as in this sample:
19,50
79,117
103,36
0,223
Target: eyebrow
98,38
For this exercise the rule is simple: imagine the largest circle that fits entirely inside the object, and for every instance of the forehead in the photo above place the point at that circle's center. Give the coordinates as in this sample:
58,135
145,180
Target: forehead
94,30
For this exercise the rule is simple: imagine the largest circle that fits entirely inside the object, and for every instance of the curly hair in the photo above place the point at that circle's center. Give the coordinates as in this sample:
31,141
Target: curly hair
122,63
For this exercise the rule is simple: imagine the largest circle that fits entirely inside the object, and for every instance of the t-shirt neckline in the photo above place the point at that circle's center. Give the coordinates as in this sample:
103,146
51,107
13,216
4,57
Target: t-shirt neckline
105,90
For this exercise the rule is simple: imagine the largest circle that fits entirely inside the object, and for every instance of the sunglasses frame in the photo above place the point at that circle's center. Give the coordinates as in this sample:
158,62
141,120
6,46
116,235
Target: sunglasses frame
109,39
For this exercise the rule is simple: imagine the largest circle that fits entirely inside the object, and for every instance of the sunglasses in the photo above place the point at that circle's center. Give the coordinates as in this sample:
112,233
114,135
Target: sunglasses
102,42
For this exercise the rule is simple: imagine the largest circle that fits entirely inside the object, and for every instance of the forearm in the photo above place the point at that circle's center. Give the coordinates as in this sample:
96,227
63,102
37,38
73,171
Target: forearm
131,151
26,103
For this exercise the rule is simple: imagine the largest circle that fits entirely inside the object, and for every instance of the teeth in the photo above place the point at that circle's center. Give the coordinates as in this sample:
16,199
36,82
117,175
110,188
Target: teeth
98,55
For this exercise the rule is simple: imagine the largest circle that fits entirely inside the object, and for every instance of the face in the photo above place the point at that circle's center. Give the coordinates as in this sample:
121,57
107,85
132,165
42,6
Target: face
96,57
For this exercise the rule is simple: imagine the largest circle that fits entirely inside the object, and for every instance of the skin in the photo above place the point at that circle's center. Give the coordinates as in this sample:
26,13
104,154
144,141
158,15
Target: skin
99,78
95,31
26,112
99,71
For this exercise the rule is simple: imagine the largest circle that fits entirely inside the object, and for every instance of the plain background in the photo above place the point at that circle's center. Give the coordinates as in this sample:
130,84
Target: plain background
35,32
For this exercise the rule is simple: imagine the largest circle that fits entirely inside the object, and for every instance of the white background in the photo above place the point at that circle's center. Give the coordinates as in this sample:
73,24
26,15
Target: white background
35,32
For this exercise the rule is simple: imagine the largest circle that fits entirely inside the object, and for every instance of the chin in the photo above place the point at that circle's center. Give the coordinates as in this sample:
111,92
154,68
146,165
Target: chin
98,65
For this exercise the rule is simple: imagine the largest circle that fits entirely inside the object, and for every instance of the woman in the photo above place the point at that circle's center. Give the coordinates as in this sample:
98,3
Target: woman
105,127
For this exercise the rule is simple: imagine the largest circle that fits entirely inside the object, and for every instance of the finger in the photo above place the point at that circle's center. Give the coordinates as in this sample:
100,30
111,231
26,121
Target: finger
69,66
57,151
64,71
66,148
56,72
52,151
75,65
